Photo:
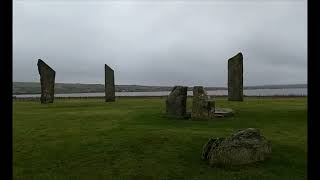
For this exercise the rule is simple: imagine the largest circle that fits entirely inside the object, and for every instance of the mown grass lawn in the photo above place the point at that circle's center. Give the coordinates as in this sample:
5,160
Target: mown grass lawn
131,139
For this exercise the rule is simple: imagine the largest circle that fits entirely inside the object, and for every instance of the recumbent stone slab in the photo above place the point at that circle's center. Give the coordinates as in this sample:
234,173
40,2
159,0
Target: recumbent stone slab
243,147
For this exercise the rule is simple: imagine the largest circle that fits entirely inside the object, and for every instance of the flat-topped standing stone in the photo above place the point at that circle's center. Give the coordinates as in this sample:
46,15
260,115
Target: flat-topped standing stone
47,77
235,78
109,84
176,103
202,106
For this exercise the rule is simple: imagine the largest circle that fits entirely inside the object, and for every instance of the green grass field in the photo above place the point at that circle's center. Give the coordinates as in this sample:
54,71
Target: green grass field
131,139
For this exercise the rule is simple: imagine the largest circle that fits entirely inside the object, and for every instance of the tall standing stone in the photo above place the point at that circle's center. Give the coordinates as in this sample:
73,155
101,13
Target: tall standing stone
176,103
47,78
235,78
109,84
202,105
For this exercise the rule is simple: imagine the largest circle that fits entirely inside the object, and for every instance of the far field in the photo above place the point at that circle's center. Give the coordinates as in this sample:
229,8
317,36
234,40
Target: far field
131,139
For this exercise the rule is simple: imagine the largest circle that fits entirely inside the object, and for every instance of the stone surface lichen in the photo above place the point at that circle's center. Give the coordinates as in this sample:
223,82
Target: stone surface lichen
202,105
243,147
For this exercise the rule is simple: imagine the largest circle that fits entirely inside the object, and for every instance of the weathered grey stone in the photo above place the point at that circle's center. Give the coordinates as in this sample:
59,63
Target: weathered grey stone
109,84
235,78
176,102
202,105
47,80
243,147
223,112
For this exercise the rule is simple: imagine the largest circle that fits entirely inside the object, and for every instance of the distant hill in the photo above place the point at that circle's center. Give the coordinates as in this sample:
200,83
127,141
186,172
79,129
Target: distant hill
64,88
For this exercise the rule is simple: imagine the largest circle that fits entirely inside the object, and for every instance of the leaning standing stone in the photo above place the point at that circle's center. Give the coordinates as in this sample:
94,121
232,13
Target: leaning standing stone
109,84
235,78
176,103
47,78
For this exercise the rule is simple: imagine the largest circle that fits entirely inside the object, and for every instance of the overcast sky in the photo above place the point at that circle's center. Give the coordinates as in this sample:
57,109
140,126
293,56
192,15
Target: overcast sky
161,43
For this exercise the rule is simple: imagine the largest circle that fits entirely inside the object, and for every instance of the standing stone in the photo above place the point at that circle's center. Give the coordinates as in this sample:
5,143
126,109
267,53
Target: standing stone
202,105
235,78
47,78
109,84
176,103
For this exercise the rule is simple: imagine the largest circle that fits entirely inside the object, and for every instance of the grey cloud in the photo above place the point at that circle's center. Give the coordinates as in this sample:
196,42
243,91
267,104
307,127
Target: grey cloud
161,43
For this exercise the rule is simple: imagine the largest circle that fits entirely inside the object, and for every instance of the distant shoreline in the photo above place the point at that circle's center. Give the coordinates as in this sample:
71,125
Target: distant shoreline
21,88
161,97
